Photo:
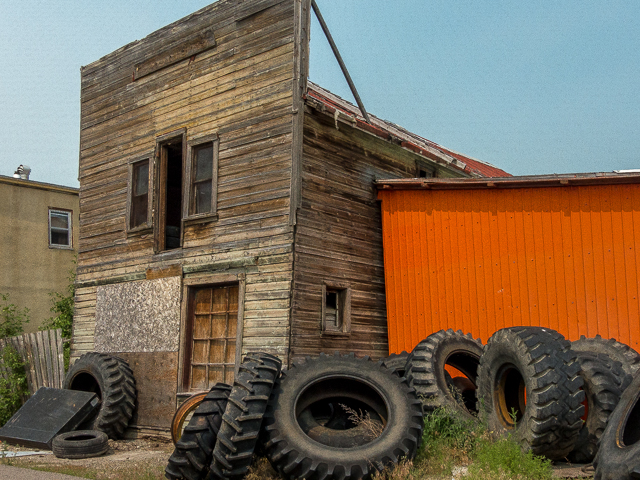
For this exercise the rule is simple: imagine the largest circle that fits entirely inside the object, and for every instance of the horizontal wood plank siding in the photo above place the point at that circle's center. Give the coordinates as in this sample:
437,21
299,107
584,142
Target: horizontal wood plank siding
241,90
338,236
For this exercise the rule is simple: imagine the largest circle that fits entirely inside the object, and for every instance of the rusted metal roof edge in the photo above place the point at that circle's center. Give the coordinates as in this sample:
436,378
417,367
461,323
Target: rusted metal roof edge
529,181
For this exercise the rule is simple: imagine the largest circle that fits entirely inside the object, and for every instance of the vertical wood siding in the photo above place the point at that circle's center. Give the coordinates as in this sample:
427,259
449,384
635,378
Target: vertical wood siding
567,258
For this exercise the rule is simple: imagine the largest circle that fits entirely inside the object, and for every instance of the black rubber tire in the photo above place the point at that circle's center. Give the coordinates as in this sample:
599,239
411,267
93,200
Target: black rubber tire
397,363
619,455
426,368
240,429
604,382
80,444
192,456
112,380
318,383
533,371
620,352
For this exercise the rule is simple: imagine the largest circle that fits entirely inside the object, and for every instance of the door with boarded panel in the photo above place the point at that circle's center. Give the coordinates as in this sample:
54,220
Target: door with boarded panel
213,320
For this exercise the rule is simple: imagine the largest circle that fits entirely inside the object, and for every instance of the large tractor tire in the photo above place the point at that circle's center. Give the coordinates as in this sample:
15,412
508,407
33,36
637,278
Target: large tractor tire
619,455
397,363
528,386
620,352
604,382
111,379
242,419
340,417
194,448
426,370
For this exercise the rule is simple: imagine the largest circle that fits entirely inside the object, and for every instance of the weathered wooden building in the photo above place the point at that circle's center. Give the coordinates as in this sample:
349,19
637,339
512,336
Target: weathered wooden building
228,205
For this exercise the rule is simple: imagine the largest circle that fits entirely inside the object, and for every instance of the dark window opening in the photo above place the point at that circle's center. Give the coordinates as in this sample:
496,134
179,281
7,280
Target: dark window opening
336,310
140,194
424,170
170,193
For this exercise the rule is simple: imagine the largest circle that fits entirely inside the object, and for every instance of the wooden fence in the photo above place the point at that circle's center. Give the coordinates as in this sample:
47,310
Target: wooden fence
42,355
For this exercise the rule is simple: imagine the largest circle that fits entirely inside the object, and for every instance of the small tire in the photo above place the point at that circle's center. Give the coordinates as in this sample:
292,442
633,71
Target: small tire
528,386
193,452
397,363
426,369
242,419
80,444
620,352
604,382
323,384
111,379
619,455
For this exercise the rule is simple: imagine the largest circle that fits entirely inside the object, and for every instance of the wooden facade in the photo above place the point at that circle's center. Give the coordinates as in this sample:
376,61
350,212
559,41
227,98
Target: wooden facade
256,180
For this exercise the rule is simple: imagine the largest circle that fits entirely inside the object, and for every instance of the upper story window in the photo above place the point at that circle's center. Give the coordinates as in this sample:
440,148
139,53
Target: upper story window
204,176
60,228
139,213
425,170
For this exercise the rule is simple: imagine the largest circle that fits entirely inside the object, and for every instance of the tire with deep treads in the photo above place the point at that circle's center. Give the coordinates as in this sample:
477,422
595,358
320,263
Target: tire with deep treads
111,379
604,382
396,362
426,372
80,444
240,429
618,351
619,455
531,373
192,456
318,388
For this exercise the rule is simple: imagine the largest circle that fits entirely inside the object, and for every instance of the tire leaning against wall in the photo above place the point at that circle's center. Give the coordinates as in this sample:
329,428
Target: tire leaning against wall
111,379
619,455
531,373
396,362
299,449
242,419
193,452
426,372
604,382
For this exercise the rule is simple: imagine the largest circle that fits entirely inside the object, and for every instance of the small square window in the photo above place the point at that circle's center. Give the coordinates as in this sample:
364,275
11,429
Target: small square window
336,310
60,228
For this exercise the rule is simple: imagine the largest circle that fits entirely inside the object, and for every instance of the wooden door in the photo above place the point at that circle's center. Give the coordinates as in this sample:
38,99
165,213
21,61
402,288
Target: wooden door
213,320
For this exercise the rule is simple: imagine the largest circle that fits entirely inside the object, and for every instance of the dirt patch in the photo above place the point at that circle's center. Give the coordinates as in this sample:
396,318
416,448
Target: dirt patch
143,458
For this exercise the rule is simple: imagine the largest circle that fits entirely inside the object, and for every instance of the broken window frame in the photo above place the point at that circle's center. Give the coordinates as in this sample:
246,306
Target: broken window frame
193,146
341,324
68,230
131,194
160,186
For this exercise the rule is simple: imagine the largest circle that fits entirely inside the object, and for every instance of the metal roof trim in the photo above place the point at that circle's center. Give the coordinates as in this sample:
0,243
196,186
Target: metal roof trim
529,181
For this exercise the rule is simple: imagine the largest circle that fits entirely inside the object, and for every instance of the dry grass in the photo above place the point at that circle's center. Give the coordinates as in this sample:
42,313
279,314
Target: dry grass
372,428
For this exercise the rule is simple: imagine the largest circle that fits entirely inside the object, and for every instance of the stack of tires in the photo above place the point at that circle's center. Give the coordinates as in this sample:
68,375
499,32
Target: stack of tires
563,400
112,380
330,417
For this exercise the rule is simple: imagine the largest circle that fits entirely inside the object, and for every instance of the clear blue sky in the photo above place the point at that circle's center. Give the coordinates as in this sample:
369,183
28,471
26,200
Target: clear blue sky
532,87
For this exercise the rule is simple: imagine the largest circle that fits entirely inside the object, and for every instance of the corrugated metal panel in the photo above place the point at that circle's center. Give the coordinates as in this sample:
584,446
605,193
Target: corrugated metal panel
567,258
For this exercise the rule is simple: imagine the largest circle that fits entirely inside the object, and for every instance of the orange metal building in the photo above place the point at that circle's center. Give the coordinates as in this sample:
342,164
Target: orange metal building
559,251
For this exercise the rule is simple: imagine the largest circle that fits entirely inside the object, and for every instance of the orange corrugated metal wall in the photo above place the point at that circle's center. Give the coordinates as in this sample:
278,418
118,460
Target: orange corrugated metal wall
567,258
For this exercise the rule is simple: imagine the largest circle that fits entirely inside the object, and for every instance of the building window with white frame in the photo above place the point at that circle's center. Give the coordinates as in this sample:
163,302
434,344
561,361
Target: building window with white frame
60,228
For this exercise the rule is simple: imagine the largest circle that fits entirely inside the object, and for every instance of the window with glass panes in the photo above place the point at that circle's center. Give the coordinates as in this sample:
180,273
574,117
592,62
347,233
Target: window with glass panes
139,194
59,228
214,320
203,178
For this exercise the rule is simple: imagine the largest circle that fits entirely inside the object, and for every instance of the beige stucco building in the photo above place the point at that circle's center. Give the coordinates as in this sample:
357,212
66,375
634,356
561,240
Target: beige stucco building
38,243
